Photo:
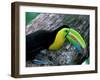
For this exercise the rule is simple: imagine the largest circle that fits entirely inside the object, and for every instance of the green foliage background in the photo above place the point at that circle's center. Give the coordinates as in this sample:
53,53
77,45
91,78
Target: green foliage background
29,16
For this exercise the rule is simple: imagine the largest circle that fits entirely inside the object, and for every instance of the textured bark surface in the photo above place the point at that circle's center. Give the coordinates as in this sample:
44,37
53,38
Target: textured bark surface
67,55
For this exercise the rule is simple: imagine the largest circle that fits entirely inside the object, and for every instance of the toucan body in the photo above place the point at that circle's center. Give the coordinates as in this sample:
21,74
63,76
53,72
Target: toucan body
52,40
39,40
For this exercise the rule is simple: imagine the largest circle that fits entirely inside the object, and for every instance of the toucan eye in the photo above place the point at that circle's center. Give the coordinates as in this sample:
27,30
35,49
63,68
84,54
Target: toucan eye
66,31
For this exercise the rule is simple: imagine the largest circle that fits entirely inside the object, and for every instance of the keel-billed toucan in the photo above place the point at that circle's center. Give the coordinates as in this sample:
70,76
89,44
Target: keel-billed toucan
52,40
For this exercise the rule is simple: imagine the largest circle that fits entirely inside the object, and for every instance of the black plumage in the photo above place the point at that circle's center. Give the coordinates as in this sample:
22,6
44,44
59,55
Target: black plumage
39,40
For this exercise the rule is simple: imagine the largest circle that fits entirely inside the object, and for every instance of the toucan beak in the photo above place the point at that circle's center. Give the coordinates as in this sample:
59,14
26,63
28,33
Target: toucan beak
76,39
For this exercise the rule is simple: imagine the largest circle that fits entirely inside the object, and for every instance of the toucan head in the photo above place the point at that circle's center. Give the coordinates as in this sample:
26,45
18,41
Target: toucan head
70,35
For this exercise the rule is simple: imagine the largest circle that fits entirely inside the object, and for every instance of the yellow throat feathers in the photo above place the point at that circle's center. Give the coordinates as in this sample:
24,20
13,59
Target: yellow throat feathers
59,40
